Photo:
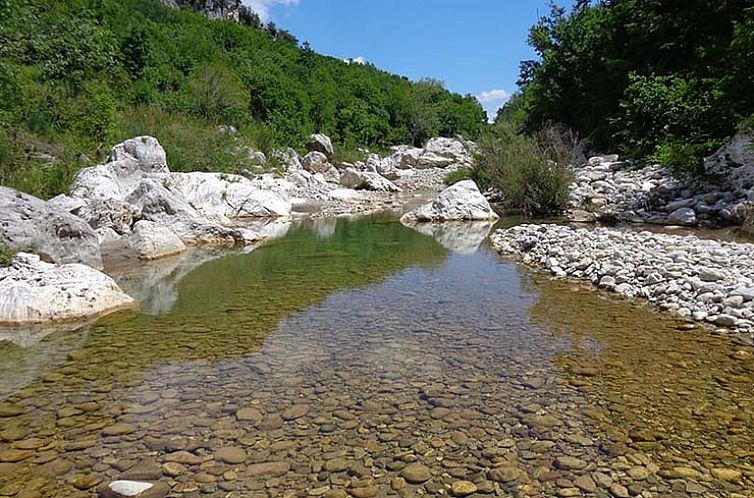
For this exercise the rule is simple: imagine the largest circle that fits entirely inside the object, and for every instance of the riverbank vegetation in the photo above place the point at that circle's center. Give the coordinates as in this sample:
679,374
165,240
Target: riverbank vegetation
664,82
77,76
659,81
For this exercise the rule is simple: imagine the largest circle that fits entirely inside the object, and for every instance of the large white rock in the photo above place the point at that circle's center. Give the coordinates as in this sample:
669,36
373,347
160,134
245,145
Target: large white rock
448,147
35,292
367,180
321,143
459,202
153,241
222,197
130,162
733,163
33,225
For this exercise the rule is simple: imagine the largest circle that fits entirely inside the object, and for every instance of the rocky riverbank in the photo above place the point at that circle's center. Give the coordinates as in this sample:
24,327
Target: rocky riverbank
703,280
134,208
609,189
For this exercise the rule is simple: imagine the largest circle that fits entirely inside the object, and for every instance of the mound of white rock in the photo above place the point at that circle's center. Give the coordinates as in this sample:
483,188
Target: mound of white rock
35,292
703,280
461,201
609,189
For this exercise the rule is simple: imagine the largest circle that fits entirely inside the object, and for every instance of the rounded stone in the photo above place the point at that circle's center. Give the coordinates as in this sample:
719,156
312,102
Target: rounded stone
416,473
231,455
463,488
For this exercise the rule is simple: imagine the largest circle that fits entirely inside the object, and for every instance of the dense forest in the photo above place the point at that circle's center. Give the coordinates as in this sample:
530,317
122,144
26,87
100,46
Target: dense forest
77,76
661,80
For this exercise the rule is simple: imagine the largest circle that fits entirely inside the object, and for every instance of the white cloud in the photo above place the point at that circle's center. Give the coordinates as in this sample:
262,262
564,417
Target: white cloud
355,60
493,100
262,7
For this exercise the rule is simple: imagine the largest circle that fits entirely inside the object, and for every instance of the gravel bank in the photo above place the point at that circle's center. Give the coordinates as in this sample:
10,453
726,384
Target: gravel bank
703,280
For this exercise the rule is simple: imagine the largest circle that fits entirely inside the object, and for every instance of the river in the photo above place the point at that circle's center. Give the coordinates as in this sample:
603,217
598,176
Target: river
362,358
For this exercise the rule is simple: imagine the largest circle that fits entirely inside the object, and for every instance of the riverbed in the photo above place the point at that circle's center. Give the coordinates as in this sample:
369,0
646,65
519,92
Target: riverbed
359,357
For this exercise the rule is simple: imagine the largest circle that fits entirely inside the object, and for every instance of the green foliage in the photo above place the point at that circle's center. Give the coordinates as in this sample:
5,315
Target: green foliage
643,76
534,173
77,75
6,254
476,172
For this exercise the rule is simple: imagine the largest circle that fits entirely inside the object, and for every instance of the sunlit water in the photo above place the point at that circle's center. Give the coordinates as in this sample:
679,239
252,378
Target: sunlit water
332,361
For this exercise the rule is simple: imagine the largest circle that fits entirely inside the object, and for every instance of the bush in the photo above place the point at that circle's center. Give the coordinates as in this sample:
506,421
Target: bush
6,255
476,173
534,172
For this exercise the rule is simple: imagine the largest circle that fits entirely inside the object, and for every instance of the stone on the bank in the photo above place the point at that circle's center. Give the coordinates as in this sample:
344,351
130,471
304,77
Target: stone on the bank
367,180
153,241
33,225
460,202
321,143
315,162
32,291
682,217
221,197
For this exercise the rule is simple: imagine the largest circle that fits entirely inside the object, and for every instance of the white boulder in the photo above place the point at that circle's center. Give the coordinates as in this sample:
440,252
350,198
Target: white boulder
33,225
367,180
683,217
221,197
460,202
315,162
35,292
321,143
153,241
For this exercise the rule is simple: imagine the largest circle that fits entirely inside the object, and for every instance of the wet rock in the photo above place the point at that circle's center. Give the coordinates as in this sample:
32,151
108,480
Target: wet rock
504,474
12,456
84,481
231,455
133,489
267,469
570,463
463,488
416,473
295,412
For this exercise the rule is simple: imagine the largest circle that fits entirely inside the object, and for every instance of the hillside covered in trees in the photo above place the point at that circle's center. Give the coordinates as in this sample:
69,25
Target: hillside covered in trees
662,80
79,75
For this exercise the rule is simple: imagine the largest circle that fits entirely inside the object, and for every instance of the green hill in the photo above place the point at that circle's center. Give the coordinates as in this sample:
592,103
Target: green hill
79,75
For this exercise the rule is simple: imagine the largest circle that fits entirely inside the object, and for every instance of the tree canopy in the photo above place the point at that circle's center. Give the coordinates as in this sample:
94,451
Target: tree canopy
77,75
666,78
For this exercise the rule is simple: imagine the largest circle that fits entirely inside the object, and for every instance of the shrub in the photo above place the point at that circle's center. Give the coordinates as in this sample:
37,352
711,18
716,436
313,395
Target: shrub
534,172
6,255
476,173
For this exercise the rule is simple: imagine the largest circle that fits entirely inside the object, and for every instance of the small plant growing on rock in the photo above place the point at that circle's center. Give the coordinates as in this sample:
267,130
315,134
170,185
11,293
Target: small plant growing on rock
6,255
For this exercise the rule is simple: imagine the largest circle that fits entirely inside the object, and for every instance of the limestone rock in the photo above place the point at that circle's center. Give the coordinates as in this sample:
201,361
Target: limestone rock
367,180
459,202
32,291
153,241
321,143
33,225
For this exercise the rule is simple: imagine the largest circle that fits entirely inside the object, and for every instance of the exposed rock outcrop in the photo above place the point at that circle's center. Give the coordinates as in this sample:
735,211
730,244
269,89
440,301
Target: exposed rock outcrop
33,225
35,292
459,202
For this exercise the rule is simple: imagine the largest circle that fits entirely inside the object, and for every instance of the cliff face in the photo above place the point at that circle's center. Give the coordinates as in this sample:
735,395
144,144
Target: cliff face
213,9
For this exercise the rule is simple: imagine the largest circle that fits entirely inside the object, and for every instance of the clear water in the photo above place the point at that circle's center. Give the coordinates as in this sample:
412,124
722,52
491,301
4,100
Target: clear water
332,361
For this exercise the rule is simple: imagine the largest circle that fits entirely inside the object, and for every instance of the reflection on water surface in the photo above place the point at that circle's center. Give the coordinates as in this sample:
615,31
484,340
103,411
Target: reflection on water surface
364,358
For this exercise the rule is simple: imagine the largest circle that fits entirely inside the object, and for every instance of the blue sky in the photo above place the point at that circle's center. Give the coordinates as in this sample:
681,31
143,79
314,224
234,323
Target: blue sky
474,46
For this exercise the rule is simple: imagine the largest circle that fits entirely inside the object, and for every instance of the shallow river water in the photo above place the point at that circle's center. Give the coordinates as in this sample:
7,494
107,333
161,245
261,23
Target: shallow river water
362,358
